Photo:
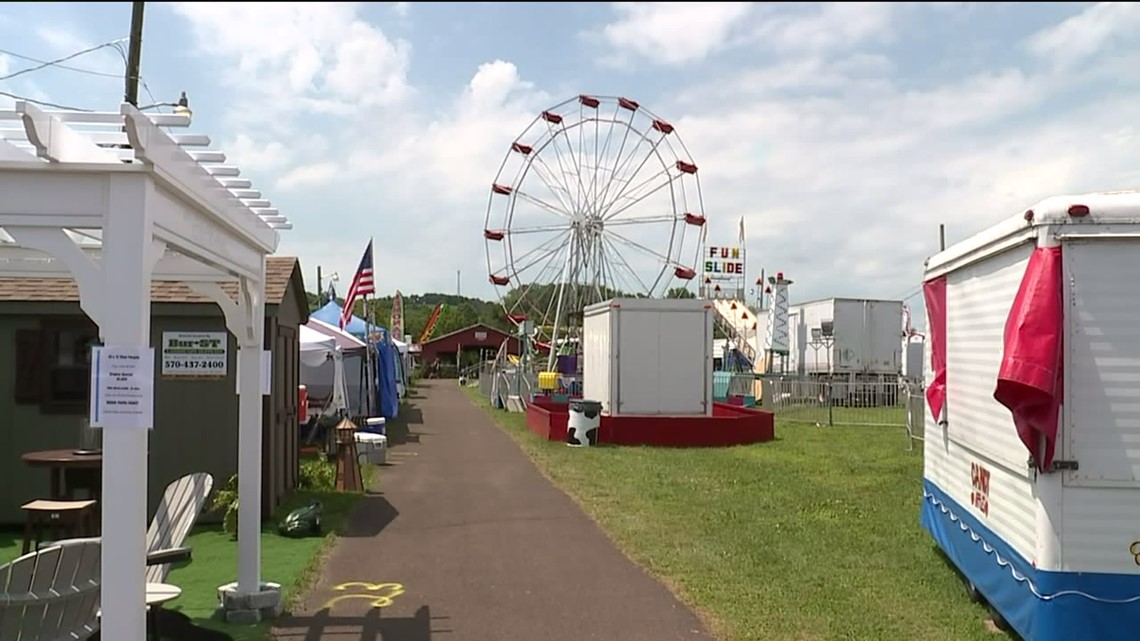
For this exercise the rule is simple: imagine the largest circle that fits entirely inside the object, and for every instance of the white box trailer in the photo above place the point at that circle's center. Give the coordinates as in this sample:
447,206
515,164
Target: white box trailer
645,356
867,337
913,351
1032,446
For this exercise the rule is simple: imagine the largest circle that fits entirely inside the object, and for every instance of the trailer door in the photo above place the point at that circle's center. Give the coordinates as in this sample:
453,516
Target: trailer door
1101,415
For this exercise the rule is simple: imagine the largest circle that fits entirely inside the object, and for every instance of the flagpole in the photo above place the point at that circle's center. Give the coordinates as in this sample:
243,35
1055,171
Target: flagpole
743,265
702,289
370,361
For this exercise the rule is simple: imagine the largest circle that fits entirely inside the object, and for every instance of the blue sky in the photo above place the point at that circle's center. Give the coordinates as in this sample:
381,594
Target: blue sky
843,133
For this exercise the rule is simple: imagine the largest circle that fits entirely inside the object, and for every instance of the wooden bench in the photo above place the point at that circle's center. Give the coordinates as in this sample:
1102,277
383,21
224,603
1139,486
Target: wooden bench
72,519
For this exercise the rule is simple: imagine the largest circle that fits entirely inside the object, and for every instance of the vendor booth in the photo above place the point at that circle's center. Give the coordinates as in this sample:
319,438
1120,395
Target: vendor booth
320,351
373,373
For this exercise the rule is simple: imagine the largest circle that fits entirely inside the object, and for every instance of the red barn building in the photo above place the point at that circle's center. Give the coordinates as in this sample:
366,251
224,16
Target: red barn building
474,339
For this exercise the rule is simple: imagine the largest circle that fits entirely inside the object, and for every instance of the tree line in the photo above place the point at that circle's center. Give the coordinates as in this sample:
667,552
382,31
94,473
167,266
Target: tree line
460,312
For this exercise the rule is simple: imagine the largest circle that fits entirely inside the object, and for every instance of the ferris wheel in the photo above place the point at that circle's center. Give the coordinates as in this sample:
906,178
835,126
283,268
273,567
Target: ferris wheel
597,198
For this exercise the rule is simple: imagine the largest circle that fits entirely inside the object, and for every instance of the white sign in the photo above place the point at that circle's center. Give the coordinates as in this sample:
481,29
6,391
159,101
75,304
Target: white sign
194,354
122,387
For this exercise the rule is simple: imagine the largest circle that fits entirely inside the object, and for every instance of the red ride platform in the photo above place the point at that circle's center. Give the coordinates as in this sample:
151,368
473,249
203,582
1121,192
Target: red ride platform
729,425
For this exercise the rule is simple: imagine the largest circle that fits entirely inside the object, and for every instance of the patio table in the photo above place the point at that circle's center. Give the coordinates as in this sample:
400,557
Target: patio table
70,471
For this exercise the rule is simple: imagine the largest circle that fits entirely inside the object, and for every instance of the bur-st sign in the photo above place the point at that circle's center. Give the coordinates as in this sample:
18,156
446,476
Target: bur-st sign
202,355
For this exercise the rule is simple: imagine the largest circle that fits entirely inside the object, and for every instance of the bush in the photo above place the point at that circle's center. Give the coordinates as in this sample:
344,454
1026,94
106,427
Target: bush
226,501
317,475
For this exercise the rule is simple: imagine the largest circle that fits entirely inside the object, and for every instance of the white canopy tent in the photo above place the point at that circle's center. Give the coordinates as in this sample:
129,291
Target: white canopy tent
115,202
352,378
316,350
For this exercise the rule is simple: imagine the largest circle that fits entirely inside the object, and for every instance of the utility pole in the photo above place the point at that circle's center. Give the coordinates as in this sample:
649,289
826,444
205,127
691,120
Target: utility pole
320,292
134,54
457,281
941,237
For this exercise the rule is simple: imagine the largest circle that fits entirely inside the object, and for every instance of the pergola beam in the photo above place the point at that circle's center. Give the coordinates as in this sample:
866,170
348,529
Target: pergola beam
23,262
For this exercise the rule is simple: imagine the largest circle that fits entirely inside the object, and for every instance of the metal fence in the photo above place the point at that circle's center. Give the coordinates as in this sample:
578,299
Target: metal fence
849,402
915,414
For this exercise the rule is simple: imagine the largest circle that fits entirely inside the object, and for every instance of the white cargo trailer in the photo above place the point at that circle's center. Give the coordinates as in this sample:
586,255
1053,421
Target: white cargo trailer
913,350
865,337
1032,446
645,356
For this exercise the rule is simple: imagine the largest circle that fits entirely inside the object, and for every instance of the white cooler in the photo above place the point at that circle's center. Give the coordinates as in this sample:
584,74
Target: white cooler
372,448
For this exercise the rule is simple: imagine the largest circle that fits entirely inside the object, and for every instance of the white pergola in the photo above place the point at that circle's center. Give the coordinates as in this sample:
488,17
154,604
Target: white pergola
115,202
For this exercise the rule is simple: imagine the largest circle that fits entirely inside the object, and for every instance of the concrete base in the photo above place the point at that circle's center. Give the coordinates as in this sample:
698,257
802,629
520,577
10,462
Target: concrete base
254,607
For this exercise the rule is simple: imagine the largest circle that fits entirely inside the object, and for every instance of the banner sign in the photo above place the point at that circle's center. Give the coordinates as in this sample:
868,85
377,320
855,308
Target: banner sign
396,322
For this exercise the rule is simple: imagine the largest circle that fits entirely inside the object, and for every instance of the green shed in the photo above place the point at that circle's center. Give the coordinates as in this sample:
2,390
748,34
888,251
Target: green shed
44,384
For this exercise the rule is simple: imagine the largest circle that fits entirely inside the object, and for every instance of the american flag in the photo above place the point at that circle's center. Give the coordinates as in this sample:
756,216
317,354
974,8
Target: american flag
361,286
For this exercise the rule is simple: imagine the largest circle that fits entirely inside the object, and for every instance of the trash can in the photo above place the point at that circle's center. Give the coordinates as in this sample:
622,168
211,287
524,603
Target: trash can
582,426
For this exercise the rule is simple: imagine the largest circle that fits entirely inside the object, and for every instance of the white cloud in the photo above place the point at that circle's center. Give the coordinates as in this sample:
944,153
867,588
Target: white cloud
832,26
402,9
843,167
301,57
306,175
252,156
1087,33
673,32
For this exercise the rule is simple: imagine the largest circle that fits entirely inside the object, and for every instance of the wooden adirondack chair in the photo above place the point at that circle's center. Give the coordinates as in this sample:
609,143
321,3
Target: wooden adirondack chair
51,594
178,511
182,502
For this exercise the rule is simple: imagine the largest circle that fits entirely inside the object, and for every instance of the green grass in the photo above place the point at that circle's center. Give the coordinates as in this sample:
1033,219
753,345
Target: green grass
293,563
814,536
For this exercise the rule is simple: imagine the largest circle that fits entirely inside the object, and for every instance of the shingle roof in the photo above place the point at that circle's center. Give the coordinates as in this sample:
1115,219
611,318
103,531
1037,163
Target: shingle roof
278,271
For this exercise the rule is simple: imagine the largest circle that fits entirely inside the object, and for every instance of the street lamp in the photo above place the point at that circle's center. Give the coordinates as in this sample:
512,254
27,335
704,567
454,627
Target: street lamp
181,108
827,335
816,342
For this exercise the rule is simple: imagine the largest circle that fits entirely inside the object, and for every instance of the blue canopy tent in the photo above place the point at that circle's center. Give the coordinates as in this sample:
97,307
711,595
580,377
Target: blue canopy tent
330,314
387,400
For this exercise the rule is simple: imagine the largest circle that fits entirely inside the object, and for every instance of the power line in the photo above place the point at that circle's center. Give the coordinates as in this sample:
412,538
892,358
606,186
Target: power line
48,63
118,46
42,64
56,62
42,103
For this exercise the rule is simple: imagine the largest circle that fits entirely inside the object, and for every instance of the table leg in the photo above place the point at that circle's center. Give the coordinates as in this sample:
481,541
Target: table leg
56,483
152,617
27,534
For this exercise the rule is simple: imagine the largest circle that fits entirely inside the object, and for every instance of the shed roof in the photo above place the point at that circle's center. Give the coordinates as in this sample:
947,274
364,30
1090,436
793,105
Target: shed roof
468,329
278,271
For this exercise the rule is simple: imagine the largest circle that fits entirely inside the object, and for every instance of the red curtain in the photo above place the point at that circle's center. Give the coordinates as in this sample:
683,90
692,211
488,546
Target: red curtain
934,291
1029,382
